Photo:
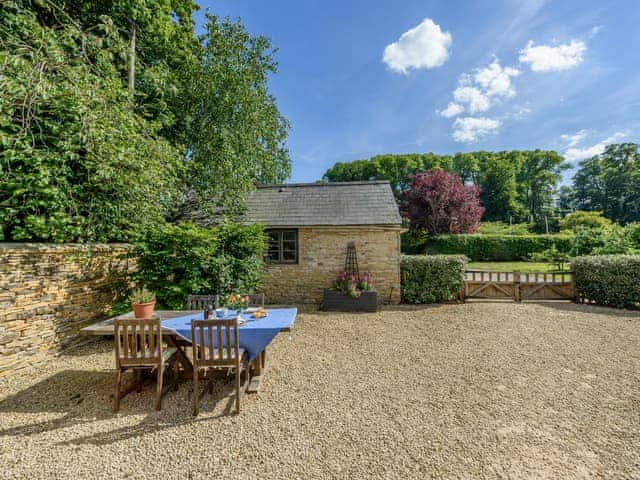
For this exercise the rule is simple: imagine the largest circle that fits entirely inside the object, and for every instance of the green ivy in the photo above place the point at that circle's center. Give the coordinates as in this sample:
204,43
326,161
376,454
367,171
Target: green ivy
610,280
431,278
178,260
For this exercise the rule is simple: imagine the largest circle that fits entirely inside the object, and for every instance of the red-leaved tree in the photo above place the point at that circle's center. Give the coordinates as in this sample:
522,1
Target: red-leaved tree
438,202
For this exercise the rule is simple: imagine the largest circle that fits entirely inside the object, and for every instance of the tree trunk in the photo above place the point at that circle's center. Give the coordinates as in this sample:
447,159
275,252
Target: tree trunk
132,59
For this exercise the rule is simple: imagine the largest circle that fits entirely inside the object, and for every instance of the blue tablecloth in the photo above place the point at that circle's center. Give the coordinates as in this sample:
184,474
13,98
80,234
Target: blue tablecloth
254,335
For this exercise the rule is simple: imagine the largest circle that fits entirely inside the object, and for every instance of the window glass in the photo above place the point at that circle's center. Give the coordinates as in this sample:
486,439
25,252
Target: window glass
282,246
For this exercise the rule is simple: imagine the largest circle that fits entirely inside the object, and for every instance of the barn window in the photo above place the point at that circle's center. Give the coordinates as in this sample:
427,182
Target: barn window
283,246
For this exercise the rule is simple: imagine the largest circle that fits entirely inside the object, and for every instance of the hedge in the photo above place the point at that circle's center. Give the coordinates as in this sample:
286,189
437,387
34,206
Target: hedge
431,278
612,280
497,248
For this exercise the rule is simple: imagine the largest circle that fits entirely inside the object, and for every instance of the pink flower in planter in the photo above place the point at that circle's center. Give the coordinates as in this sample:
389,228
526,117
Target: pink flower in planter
348,283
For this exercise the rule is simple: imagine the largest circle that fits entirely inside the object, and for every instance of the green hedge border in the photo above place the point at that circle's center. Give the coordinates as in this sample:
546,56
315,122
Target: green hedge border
497,248
432,278
611,280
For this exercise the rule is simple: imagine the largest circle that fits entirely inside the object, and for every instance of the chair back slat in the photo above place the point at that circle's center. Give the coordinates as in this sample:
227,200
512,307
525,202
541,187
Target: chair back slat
138,342
256,299
201,302
209,345
228,343
221,346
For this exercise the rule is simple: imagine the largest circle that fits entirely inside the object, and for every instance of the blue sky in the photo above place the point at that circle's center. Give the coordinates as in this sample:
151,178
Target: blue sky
361,78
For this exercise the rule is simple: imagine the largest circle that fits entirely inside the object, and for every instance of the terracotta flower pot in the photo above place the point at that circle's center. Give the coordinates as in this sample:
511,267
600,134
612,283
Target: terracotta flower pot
143,310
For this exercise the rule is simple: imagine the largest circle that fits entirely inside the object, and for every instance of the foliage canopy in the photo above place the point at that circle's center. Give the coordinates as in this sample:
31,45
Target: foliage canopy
438,202
112,114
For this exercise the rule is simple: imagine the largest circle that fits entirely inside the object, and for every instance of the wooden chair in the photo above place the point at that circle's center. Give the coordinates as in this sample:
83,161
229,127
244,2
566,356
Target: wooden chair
139,346
223,352
200,302
256,299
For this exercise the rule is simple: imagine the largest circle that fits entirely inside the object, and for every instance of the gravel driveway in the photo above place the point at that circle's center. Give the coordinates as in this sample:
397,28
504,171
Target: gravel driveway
481,390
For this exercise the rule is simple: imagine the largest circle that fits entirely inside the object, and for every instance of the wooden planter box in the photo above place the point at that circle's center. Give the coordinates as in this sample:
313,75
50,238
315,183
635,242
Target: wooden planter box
337,302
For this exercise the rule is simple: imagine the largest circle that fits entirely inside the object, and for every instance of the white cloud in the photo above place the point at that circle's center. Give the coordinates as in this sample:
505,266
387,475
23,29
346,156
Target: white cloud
477,92
574,153
451,110
424,46
496,80
544,58
473,98
472,129
574,139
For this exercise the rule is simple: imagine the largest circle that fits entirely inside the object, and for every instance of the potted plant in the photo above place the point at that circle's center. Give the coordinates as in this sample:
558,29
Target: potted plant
350,293
237,302
143,302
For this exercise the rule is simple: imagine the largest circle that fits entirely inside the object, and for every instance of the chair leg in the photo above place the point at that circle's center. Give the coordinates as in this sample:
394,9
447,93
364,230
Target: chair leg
238,390
159,388
116,398
176,375
196,392
138,380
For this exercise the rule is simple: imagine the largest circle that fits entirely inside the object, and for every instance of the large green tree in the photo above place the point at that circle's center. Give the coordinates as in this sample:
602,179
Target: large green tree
610,183
157,47
77,162
113,112
236,135
539,172
498,194
395,168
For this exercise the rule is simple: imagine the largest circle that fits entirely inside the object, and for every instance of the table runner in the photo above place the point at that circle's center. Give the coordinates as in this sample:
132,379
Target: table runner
254,336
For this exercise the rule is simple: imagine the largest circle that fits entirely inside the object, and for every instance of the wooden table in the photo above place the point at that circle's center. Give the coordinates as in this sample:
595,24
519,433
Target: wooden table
106,328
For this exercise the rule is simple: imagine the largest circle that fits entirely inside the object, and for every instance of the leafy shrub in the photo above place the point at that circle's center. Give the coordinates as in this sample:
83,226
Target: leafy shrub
431,278
581,218
633,233
413,243
608,279
498,248
502,228
605,241
177,260
552,255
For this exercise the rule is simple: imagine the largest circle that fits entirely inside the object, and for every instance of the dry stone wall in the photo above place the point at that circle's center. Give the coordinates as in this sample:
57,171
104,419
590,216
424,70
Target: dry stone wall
48,292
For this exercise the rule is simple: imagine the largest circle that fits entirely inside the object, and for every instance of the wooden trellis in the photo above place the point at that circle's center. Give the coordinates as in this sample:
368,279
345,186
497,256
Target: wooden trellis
351,262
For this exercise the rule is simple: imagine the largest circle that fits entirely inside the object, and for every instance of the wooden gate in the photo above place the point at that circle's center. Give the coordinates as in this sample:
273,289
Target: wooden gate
519,286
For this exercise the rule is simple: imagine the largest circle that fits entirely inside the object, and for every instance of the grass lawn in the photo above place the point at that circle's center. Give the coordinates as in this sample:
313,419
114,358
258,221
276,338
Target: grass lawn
511,266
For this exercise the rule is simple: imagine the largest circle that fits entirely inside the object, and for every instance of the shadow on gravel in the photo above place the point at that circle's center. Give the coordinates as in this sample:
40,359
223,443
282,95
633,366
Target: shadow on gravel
85,397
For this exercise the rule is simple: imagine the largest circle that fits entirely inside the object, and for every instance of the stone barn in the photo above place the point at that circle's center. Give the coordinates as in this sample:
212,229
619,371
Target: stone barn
310,226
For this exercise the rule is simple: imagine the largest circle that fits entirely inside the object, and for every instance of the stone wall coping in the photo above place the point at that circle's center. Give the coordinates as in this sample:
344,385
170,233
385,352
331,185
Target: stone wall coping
42,247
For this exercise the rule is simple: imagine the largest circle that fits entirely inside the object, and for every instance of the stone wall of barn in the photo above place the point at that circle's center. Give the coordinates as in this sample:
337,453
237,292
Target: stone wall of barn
321,256
48,292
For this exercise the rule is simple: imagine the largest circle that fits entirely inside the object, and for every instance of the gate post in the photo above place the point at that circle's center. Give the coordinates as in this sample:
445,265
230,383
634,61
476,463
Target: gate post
516,285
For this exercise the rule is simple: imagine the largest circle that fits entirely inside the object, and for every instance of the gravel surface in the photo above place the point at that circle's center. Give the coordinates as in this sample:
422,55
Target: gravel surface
480,390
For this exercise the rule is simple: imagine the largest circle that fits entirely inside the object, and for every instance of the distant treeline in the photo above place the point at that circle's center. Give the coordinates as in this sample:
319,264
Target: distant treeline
520,185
